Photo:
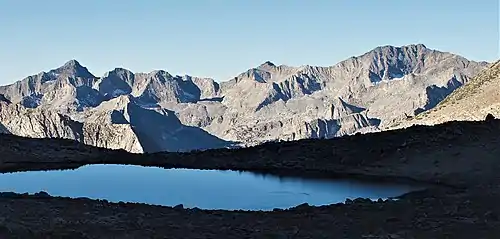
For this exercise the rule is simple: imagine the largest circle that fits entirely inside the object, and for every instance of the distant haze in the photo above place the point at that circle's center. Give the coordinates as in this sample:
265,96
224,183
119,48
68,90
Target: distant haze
222,38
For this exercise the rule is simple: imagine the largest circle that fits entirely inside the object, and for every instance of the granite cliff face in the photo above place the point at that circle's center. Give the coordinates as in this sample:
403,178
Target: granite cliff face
37,123
360,94
156,111
472,102
66,88
139,129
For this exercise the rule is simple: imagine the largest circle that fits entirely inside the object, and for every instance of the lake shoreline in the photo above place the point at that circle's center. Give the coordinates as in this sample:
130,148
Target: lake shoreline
205,189
291,173
464,155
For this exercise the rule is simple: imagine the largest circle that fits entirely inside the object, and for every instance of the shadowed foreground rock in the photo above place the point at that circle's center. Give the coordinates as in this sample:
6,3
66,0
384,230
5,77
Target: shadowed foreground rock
424,215
464,156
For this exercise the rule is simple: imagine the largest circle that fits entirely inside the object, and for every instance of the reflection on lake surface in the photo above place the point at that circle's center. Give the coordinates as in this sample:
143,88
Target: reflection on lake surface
206,189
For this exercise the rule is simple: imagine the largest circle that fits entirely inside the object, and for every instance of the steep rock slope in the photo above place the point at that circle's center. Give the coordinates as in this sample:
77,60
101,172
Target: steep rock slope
154,88
43,123
66,88
38,123
69,102
116,124
123,123
472,102
287,103
156,111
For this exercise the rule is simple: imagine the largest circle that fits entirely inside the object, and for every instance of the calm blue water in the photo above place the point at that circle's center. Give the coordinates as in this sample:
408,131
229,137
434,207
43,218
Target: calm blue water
207,189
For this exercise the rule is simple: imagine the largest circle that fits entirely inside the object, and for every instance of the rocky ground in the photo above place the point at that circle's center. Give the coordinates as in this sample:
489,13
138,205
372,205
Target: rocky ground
426,215
461,157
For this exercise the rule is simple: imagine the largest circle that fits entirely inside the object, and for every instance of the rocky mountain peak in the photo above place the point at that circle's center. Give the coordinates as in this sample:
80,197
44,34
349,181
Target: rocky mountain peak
403,48
72,63
160,75
158,111
395,62
116,82
420,45
73,68
160,72
118,71
268,72
267,65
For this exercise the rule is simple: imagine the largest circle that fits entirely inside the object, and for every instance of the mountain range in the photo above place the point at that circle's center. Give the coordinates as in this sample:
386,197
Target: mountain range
157,111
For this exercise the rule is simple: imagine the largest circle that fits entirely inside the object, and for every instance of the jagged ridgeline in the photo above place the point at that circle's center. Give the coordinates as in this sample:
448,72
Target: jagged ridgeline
156,111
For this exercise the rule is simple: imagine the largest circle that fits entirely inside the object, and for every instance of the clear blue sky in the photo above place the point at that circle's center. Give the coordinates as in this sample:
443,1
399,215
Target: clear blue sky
221,38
